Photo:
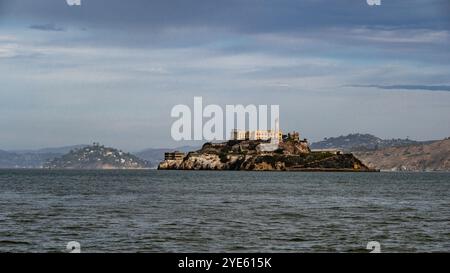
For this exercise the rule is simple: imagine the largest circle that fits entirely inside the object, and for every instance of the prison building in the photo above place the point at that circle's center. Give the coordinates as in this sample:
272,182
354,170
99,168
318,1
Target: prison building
256,135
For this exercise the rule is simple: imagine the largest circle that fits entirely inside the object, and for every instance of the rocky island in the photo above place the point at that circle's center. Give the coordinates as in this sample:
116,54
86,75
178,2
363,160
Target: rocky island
285,153
97,157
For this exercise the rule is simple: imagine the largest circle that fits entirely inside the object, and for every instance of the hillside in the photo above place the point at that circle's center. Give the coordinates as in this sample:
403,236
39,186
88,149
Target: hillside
35,159
433,156
97,157
31,158
51,150
361,142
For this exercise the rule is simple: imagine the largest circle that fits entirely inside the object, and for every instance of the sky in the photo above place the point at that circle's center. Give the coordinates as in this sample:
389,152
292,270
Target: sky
110,71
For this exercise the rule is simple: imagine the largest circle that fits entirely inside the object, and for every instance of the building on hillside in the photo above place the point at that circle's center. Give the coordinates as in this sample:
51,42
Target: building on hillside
239,135
295,136
174,156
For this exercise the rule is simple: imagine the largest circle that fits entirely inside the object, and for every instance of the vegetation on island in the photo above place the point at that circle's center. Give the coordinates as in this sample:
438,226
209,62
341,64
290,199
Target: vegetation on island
363,142
97,156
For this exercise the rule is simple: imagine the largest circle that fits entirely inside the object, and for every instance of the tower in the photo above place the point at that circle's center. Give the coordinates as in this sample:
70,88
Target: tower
275,138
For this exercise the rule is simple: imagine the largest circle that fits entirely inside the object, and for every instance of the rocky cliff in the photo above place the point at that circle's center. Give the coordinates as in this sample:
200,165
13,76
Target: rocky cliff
245,155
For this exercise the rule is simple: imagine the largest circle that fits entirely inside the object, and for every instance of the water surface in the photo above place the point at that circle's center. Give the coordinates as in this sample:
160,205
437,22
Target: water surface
187,211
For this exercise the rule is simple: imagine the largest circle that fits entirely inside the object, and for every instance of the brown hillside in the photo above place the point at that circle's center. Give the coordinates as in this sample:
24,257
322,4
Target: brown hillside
422,157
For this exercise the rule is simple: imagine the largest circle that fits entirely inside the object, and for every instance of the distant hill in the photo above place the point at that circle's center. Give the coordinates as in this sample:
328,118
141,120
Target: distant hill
362,142
156,155
35,159
434,156
51,150
31,158
97,157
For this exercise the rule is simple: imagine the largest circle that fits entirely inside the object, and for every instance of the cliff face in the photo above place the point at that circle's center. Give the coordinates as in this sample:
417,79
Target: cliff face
244,155
421,157
311,162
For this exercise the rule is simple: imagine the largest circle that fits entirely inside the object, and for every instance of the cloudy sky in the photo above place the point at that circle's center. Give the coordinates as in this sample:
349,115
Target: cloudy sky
111,70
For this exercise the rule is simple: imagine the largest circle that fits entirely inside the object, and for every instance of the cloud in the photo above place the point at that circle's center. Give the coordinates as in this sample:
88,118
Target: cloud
8,50
7,38
139,58
397,35
47,27
406,87
249,16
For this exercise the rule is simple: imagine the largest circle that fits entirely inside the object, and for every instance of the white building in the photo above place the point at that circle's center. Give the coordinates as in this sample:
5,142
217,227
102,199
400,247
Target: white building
256,135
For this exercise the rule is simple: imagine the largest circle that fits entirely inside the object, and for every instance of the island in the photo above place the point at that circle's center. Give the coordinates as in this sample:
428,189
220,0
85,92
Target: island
97,157
263,151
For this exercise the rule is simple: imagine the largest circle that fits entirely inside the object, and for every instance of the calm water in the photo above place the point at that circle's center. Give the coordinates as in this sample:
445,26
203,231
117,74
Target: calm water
170,211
